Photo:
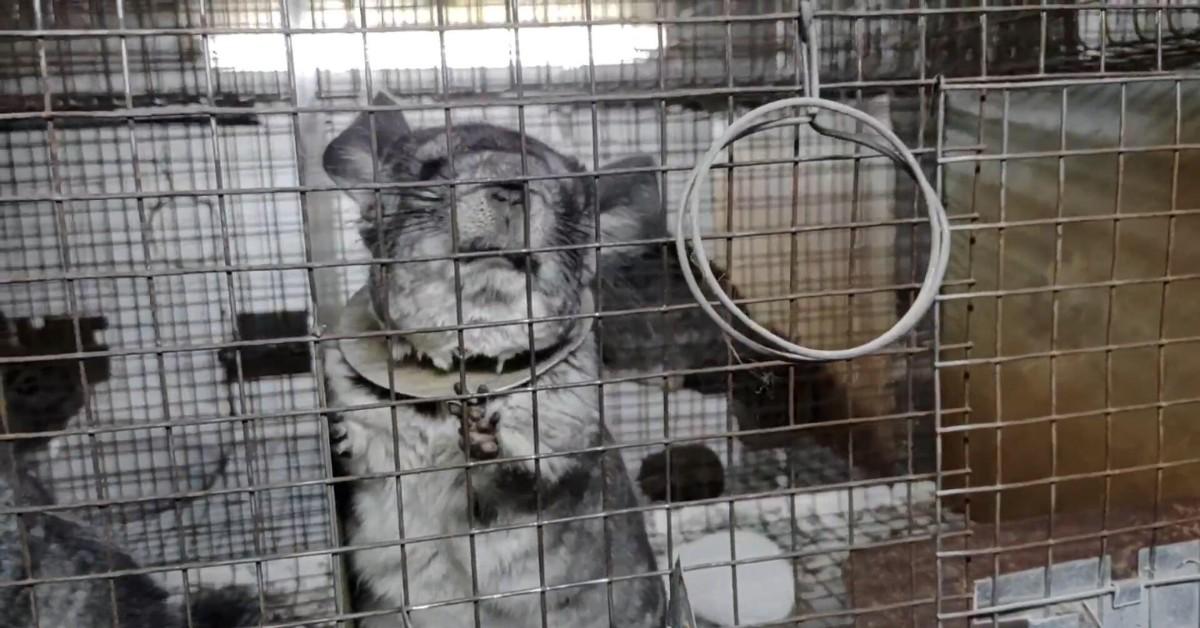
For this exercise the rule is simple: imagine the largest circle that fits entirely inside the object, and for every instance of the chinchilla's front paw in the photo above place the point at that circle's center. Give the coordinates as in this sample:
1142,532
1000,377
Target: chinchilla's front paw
477,425
343,436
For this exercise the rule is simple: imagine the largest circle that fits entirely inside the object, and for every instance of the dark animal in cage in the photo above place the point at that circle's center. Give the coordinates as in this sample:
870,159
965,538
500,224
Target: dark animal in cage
491,221
40,545
42,396
768,398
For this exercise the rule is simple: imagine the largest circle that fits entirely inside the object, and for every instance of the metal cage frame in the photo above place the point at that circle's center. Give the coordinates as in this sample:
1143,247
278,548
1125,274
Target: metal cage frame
174,252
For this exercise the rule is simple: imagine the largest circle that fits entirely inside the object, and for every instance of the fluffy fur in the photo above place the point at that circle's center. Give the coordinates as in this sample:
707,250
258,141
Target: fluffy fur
43,545
499,558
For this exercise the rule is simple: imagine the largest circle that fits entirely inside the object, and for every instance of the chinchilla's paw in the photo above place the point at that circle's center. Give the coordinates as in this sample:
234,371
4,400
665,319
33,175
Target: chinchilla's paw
477,425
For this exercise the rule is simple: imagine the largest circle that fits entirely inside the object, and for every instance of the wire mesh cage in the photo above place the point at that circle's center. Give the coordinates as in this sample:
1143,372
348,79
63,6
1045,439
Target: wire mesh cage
239,240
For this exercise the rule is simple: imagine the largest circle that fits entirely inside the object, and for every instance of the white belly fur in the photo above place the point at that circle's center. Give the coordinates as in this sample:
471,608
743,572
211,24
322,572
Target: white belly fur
435,504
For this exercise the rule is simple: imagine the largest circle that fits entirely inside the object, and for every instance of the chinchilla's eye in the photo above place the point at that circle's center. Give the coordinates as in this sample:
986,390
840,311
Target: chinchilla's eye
511,186
511,193
431,168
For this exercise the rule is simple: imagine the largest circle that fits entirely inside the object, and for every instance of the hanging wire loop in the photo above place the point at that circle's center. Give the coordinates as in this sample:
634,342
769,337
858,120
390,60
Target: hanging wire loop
689,242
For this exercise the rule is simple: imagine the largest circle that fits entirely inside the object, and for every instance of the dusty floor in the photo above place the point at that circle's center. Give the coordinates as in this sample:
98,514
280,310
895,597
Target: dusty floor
895,575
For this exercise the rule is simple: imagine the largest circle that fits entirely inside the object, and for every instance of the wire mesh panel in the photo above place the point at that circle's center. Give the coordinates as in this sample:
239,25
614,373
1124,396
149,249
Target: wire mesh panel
249,249
1068,167
1059,362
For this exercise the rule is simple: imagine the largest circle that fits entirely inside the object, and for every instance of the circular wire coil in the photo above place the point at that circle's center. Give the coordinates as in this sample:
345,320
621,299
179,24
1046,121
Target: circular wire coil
892,147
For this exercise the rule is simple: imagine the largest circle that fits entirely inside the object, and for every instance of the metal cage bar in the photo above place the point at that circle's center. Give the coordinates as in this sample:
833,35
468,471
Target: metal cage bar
162,172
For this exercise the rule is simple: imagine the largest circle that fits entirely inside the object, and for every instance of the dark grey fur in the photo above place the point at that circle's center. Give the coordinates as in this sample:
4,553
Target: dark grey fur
40,397
43,545
43,397
648,276
39,544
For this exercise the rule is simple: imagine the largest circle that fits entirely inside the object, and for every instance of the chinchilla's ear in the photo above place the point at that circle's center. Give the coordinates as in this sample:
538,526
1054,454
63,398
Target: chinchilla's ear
350,159
629,203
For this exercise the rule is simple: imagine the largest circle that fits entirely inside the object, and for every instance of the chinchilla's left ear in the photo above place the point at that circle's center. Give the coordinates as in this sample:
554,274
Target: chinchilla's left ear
351,159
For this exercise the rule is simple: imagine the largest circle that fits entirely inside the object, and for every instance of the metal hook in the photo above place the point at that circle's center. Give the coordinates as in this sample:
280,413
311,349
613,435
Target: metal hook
809,52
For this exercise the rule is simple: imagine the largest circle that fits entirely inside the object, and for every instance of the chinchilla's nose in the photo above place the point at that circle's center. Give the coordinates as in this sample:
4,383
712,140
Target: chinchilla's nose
490,219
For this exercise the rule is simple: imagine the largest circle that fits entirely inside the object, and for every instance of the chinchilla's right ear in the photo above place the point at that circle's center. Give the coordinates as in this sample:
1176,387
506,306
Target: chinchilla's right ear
351,158
630,208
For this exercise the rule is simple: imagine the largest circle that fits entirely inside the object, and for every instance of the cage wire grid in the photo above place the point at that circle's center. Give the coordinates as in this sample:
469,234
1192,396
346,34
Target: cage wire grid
1079,313
151,180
